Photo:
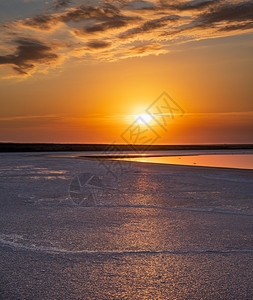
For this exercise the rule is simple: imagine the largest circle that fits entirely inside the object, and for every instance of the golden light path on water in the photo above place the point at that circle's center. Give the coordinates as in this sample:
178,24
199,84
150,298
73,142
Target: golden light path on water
240,161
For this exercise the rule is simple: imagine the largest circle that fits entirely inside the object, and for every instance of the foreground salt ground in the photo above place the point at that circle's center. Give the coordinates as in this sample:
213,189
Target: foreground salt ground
161,232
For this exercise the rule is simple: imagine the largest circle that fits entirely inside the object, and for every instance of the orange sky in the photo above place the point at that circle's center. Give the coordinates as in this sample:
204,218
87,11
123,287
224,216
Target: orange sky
61,84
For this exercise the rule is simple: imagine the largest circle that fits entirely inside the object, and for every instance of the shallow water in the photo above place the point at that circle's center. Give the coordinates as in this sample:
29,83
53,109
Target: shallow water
239,161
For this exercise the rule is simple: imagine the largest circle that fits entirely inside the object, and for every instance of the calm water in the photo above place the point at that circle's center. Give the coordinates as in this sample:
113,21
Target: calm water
240,161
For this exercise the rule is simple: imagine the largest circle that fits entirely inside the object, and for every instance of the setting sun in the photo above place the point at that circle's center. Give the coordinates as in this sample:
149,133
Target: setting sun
143,119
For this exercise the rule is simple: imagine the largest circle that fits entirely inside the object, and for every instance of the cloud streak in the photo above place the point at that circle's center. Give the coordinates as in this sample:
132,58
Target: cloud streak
149,26
98,44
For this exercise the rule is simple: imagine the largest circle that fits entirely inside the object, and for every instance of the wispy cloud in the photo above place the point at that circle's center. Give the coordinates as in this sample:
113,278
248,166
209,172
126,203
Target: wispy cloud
127,28
149,26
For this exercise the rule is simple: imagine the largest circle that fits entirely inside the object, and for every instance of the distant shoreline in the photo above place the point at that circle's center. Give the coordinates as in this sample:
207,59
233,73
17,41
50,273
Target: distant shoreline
51,147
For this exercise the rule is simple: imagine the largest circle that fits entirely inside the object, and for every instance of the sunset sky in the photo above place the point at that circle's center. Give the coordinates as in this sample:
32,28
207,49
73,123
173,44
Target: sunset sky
82,71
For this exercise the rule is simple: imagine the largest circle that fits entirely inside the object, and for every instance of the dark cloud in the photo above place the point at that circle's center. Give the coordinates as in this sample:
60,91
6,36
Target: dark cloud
165,5
106,17
46,21
29,52
109,16
149,26
90,12
98,44
228,12
61,3
117,21
223,13
43,22
189,5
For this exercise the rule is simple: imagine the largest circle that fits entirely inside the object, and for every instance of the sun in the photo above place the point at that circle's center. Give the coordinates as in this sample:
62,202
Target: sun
143,118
